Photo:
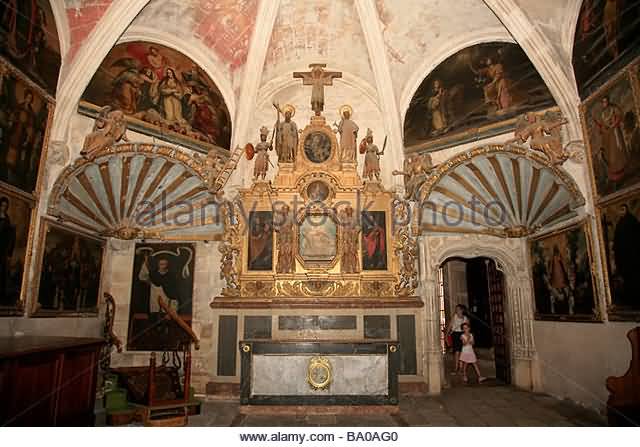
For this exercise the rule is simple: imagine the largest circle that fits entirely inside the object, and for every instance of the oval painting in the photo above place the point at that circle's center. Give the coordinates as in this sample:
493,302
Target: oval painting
317,147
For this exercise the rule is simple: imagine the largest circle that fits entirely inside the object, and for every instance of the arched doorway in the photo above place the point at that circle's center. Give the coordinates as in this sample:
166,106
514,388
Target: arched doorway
479,286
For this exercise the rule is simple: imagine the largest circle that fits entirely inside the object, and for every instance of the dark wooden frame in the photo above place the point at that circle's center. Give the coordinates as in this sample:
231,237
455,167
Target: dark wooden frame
45,224
250,347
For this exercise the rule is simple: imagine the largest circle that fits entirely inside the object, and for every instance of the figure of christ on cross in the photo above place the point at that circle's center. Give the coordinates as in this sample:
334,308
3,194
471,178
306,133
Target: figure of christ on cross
317,78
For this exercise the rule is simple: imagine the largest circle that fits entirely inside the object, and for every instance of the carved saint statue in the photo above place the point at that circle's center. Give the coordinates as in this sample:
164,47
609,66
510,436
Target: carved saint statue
284,227
109,128
318,79
348,136
544,132
261,165
286,135
415,171
372,156
350,238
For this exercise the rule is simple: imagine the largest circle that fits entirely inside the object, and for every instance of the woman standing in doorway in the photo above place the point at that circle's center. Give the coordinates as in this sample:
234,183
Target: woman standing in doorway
455,330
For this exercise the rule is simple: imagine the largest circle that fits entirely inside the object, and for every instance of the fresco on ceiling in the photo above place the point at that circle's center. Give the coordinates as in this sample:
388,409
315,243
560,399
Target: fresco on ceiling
329,32
29,39
163,93
607,37
226,27
474,93
83,16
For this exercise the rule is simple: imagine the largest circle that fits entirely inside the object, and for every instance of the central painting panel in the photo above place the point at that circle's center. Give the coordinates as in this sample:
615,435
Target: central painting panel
317,241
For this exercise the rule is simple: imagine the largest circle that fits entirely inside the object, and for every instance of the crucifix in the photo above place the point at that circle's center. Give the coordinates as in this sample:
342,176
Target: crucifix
317,78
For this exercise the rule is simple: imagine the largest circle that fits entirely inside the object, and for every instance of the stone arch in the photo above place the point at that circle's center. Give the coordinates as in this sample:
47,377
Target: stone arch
510,257
62,26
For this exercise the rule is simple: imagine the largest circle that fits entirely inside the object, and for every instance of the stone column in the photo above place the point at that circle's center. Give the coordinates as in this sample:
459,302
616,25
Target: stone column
433,368
524,363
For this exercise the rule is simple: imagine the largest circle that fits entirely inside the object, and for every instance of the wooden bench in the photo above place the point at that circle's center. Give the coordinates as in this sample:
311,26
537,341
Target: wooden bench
623,405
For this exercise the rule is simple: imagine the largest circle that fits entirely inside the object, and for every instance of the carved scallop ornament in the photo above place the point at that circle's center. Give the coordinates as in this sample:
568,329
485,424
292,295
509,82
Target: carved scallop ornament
138,191
497,190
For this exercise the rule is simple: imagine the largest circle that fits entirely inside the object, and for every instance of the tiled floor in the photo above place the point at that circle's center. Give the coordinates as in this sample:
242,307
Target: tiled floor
472,405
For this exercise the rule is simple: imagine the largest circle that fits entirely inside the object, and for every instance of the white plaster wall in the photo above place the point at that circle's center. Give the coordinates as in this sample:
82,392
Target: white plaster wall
576,358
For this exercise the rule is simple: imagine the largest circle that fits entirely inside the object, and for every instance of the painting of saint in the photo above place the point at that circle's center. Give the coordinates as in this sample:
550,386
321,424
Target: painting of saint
163,93
70,272
483,86
15,219
317,191
621,226
29,40
374,240
318,238
562,277
260,241
610,125
24,115
162,278
317,147
607,38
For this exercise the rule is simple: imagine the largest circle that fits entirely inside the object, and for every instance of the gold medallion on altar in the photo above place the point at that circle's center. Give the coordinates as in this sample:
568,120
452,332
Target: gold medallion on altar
319,373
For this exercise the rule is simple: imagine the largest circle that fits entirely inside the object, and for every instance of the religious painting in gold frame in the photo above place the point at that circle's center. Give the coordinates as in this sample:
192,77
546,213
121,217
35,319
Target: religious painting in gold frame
563,275
69,272
260,241
16,224
26,113
619,230
610,128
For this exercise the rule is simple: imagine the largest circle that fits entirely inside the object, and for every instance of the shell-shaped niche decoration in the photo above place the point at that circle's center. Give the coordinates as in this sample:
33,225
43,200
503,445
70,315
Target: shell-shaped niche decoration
503,191
130,191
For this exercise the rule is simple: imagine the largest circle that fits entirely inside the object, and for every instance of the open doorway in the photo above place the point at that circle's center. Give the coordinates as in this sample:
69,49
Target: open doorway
478,285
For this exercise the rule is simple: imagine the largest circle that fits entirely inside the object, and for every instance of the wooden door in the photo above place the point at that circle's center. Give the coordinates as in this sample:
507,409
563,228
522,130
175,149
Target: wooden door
495,280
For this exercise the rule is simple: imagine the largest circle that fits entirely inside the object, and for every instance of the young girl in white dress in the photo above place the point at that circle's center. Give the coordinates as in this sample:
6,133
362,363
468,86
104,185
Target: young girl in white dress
468,356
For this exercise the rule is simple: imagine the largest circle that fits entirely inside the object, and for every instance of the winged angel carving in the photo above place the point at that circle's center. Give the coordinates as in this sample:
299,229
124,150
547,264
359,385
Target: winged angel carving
543,133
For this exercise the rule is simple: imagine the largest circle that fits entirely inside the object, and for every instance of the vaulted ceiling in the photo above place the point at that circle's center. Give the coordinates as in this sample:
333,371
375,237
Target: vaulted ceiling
385,48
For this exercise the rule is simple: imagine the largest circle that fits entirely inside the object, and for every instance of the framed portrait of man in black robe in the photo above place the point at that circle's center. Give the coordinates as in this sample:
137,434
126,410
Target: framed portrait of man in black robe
620,226
162,275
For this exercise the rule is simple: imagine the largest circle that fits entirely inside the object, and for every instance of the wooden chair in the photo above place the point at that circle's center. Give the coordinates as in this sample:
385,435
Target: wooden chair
623,405
156,390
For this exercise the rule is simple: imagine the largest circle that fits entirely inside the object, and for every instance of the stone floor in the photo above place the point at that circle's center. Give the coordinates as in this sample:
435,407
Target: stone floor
470,405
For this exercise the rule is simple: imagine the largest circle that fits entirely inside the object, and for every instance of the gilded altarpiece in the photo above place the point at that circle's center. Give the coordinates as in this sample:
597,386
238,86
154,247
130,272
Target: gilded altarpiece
318,204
